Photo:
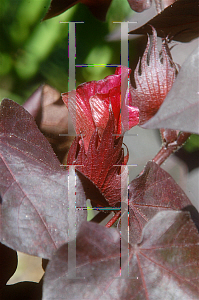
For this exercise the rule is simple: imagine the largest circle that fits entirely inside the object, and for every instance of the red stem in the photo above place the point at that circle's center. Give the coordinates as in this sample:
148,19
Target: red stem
167,150
163,154
114,219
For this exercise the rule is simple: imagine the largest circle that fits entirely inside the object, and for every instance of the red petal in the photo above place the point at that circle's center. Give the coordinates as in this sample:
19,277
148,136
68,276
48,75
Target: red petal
79,109
100,111
89,105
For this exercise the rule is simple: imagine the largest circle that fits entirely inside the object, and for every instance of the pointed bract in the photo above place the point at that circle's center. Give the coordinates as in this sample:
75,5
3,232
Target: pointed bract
102,162
155,81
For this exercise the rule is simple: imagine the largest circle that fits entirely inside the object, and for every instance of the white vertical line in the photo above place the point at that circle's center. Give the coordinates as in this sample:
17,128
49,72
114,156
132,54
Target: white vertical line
124,220
72,222
124,44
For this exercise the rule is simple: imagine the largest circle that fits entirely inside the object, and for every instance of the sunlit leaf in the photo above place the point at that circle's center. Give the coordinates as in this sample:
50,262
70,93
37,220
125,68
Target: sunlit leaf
163,266
35,213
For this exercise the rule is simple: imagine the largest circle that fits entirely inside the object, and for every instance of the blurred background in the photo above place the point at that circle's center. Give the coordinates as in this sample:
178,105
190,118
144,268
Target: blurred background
34,52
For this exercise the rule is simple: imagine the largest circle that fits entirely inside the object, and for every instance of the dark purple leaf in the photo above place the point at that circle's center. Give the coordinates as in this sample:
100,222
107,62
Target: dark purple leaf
168,257
165,265
180,109
36,198
98,252
180,21
97,7
151,192
8,264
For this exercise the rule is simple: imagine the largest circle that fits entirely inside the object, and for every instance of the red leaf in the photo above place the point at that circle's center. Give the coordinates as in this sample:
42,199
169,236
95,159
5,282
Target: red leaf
102,162
151,192
155,81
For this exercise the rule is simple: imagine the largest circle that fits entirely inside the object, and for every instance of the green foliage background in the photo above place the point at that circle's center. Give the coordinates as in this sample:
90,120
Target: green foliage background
34,52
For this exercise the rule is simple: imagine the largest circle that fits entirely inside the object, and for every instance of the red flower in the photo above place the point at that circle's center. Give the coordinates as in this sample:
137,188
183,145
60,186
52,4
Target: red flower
155,81
89,105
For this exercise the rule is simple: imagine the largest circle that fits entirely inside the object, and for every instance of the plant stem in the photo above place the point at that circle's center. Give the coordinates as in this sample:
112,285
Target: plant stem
170,148
113,220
